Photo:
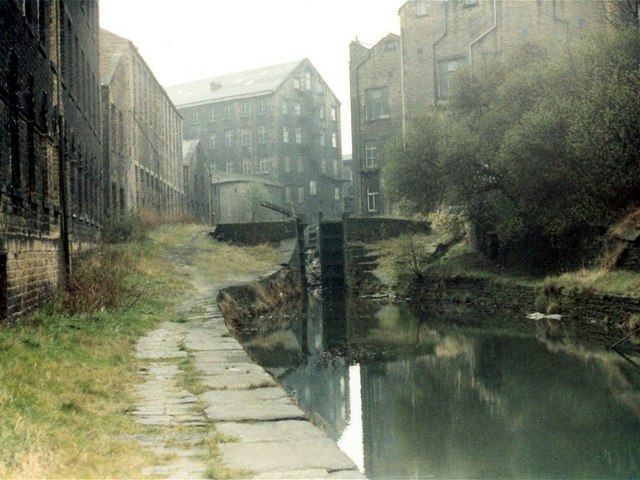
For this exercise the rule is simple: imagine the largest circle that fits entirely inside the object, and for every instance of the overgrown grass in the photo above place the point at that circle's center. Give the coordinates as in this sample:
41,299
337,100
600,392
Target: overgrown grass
66,373
463,260
616,282
64,394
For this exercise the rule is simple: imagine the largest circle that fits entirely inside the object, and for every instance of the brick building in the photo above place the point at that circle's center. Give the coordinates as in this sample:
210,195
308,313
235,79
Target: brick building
142,133
197,181
50,145
280,122
390,86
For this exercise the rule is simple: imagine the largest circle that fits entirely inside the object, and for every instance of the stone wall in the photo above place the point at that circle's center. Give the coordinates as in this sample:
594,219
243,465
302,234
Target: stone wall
255,233
596,318
257,298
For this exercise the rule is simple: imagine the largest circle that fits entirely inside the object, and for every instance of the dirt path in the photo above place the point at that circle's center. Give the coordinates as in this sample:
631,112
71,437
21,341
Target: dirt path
211,411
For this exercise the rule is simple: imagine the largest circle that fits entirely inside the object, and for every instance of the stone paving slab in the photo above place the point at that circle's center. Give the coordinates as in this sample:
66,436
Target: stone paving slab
315,454
266,404
261,432
237,376
202,359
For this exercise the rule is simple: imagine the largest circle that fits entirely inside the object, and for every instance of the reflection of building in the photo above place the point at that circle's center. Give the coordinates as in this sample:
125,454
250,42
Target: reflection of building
401,76
50,146
235,197
197,184
280,122
142,133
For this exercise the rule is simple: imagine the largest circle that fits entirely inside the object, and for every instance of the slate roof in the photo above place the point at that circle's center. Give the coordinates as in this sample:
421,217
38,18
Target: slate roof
250,83
224,177
189,151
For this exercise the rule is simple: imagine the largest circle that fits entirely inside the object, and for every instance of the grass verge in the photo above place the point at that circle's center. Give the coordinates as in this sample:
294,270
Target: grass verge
67,372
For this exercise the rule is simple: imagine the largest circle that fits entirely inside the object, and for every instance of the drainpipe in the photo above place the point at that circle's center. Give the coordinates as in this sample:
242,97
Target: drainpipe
445,14
62,170
493,27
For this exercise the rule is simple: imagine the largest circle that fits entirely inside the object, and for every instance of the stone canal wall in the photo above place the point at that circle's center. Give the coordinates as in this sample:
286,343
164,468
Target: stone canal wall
595,317
261,296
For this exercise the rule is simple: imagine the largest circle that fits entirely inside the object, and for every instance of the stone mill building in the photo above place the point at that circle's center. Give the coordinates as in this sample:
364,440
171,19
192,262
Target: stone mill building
280,122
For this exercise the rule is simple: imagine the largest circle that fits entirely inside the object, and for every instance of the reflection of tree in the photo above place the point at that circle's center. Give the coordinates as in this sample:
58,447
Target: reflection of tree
496,407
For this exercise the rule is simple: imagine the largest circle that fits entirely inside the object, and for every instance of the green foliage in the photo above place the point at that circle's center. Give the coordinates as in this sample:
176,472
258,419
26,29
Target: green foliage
119,227
535,146
249,209
410,259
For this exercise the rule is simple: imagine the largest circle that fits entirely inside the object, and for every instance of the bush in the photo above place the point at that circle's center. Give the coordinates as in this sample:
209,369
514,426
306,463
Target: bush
102,280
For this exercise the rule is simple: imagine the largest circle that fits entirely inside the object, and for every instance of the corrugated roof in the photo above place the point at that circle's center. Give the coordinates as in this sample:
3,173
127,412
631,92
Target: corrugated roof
263,80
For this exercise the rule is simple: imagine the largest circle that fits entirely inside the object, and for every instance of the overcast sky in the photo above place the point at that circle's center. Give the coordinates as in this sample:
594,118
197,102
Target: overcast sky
184,40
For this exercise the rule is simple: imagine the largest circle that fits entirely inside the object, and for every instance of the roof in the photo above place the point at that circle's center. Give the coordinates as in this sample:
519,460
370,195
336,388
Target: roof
224,177
260,81
189,148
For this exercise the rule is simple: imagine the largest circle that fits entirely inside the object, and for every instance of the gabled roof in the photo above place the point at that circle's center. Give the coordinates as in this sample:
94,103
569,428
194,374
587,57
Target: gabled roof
260,81
220,177
189,148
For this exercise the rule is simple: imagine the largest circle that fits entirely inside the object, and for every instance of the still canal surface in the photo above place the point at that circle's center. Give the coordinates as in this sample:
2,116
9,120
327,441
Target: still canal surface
411,395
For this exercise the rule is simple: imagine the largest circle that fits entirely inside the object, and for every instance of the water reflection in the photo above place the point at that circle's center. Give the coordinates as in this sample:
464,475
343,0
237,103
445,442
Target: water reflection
411,397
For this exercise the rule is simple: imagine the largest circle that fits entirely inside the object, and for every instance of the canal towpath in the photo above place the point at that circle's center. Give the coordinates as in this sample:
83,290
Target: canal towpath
262,433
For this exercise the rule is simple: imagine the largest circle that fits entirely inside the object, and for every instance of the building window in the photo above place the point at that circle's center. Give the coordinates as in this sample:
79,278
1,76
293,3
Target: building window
298,135
390,45
334,139
229,167
307,80
285,107
446,76
212,115
372,201
296,83
297,108
228,138
469,3
321,112
285,134
300,194
247,166
212,142
313,187
323,166
377,103
336,194
287,194
196,118
300,164
421,7
265,165
323,139
334,114
261,107
287,164
336,167
246,137
371,155
321,87
262,134
245,109
228,110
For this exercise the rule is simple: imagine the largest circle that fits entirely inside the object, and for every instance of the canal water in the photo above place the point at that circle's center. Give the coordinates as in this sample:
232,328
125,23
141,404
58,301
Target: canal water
411,395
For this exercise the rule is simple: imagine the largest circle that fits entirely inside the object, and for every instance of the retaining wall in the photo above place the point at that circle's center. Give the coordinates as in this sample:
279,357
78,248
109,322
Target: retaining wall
255,233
